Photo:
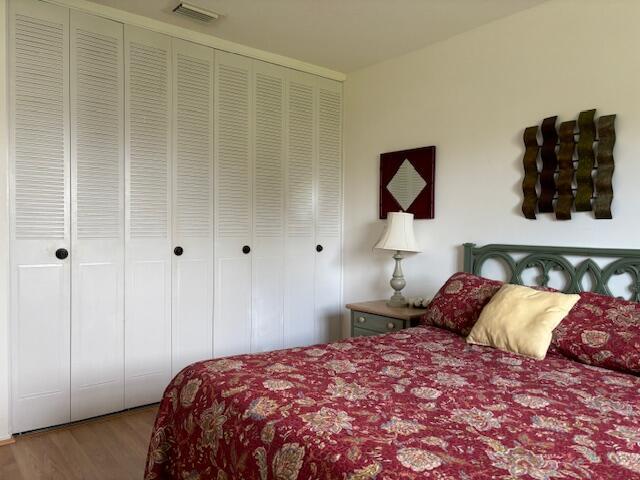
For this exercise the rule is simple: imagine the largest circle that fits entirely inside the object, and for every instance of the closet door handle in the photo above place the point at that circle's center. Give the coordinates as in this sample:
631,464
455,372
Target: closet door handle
246,249
178,251
62,253
319,248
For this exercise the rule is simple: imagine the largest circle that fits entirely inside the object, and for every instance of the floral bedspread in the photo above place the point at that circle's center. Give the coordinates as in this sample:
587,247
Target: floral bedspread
420,403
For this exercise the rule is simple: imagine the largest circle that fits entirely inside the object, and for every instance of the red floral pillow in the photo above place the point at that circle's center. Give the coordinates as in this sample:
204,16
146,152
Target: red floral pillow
601,331
458,304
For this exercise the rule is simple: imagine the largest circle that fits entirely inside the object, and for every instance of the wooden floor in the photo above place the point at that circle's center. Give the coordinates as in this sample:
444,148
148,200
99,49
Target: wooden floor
113,448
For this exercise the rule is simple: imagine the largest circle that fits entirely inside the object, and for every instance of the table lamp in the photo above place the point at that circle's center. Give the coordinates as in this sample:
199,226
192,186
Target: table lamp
398,237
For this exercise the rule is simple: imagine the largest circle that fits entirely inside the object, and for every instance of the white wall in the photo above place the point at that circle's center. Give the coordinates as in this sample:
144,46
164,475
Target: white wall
472,96
4,233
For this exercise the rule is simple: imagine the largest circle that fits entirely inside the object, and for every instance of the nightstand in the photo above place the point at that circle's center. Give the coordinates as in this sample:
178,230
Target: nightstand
376,317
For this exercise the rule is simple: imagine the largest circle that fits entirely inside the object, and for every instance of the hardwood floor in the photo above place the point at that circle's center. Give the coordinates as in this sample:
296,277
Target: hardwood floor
108,448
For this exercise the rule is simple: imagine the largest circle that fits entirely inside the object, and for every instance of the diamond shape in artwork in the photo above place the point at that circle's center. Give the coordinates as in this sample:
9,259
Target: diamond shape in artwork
406,184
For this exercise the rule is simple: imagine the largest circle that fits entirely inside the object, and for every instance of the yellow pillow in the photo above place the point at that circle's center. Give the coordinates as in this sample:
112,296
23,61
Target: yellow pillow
520,320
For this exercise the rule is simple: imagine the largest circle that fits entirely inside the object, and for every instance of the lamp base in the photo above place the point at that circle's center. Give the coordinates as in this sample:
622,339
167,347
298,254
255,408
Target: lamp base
397,283
397,300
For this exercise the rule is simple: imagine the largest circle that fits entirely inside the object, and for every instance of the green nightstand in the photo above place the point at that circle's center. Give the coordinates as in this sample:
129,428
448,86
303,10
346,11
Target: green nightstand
376,317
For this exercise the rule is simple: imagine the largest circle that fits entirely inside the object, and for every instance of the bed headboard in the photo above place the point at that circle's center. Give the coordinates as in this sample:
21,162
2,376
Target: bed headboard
601,264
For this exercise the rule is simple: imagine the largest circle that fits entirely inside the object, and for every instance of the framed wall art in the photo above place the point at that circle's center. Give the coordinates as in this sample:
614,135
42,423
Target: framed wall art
407,179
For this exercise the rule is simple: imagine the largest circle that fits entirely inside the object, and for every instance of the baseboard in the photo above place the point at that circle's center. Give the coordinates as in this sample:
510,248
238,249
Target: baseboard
98,419
7,441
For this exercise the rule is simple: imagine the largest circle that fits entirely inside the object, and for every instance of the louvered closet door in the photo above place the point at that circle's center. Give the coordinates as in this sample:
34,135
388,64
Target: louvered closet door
97,221
233,202
192,317
268,208
39,152
147,215
329,210
300,247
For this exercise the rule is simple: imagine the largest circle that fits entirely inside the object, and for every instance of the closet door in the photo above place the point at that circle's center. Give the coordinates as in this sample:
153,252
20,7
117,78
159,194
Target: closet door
233,202
300,247
192,317
97,220
147,215
328,271
268,208
39,182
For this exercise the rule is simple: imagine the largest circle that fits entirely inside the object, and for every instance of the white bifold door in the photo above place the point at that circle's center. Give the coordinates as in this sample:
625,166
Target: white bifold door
328,212
249,200
313,260
148,195
192,283
41,235
278,197
68,336
267,245
169,210
233,204
300,245
97,220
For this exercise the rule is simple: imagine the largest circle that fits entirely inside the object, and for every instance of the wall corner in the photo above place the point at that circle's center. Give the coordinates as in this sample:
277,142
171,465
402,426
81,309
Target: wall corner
5,423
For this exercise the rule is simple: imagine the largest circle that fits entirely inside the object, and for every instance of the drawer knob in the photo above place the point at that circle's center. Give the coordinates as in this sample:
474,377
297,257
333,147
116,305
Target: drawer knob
391,325
362,319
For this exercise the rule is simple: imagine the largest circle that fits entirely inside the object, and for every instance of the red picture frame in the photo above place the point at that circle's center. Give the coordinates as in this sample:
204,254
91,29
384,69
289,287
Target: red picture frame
423,160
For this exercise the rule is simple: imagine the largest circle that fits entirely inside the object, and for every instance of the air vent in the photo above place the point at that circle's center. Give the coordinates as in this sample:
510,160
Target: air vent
193,11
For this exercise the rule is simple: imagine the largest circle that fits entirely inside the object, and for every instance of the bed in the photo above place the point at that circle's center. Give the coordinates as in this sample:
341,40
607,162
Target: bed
420,403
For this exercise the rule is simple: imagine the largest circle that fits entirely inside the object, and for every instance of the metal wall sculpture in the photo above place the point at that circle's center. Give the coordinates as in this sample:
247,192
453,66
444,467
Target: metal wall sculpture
604,175
568,167
549,165
586,160
566,171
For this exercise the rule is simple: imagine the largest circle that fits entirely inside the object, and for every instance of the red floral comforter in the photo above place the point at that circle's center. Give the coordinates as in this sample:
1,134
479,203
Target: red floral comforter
415,404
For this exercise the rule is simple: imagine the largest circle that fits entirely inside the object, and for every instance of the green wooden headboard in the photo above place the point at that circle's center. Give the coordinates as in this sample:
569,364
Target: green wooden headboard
518,258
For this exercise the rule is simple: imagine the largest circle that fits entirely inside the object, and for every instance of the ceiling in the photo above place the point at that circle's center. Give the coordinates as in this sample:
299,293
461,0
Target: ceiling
342,35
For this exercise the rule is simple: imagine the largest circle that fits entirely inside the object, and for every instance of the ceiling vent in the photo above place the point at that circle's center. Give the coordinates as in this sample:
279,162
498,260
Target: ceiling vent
193,11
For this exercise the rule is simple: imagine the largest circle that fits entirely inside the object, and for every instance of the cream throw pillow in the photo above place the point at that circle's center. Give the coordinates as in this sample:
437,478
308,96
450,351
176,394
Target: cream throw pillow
520,320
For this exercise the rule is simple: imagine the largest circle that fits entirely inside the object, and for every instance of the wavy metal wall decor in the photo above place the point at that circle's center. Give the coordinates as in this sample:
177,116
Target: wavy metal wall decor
562,185
529,161
586,161
565,170
604,175
549,165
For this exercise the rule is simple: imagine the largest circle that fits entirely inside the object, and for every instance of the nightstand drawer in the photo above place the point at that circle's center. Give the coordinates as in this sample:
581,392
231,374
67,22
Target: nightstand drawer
376,323
361,332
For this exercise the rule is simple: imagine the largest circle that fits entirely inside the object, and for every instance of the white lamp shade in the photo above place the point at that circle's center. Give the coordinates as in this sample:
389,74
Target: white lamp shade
399,233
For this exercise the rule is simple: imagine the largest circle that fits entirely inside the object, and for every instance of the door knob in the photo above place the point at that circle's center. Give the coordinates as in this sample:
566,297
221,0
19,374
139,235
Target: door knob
62,253
246,249
178,251
319,248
